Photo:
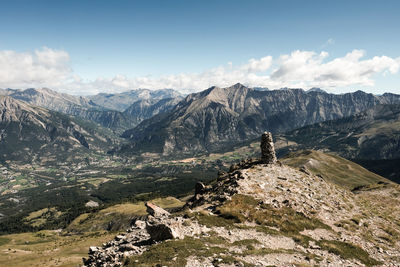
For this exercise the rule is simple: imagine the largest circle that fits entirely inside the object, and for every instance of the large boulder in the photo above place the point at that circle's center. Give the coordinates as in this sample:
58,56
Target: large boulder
155,210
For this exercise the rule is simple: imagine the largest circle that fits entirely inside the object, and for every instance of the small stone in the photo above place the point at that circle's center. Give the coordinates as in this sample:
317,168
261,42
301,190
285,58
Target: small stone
119,237
140,224
199,188
305,170
234,167
91,204
93,249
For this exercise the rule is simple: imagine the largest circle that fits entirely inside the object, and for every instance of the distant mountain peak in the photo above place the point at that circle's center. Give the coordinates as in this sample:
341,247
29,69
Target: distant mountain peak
316,89
218,117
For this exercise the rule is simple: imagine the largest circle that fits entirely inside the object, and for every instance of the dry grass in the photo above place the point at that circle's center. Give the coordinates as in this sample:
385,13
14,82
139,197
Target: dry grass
333,168
47,248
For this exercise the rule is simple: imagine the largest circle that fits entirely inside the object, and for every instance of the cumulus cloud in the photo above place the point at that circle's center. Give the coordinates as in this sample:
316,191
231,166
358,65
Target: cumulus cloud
299,69
45,67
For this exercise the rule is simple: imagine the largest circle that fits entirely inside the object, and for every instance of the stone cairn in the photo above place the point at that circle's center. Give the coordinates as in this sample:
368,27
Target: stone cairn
267,149
227,182
160,225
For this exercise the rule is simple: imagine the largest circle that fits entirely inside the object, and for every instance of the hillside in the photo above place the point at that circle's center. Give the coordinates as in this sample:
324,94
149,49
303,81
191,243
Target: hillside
29,133
73,105
147,108
372,134
333,168
264,213
219,117
47,98
371,138
256,214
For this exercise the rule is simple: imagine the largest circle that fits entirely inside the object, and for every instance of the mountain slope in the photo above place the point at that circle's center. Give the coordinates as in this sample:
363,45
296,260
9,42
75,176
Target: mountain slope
123,100
373,134
333,168
32,133
147,108
74,105
220,117
266,215
44,97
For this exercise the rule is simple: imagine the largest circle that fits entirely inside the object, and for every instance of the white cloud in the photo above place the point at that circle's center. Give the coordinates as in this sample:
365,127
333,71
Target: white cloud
299,69
45,67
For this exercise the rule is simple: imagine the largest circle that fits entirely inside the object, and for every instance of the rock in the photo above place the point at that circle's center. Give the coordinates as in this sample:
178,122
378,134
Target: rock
93,249
120,237
140,224
222,175
267,149
91,204
164,229
305,170
160,232
234,167
156,211
128,247
199,188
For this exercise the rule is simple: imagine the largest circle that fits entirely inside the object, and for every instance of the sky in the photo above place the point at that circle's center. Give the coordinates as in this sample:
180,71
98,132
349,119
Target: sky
86,47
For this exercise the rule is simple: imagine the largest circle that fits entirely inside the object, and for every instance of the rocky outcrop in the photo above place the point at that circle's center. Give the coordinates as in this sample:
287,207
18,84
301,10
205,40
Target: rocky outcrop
156,211
158,226
112,253
265,213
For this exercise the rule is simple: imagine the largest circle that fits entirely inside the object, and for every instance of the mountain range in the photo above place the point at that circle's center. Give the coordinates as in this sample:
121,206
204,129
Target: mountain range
218,118
122,101
107,113
371,134
29,133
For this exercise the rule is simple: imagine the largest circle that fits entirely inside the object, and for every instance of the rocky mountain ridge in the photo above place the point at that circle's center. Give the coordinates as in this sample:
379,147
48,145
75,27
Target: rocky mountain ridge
147,108
372,134
220,117
140,104
122,101
263,213
73,105
29,132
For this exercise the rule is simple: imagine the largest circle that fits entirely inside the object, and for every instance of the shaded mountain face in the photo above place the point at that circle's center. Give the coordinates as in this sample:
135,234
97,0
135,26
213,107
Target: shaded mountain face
221,117
123,101
373,134
147,108
29,133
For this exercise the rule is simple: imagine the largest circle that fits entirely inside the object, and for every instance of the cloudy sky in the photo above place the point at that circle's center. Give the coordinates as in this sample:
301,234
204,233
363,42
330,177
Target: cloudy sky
86,47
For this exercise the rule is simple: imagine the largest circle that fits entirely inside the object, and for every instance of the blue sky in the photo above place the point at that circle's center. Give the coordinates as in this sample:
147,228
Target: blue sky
91,46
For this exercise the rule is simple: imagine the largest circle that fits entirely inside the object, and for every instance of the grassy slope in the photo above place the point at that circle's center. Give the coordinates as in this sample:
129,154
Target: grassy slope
51,248
48,248
333,168
118,216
